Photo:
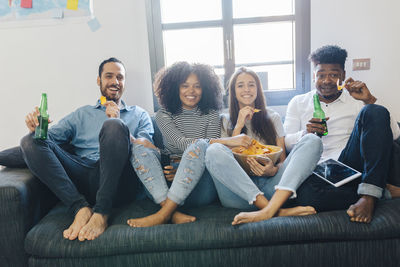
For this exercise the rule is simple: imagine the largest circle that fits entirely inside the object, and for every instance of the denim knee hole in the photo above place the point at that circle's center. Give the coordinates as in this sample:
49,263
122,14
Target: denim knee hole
142,170
187,170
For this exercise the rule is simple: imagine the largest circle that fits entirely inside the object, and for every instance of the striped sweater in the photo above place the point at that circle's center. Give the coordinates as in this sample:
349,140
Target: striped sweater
180,130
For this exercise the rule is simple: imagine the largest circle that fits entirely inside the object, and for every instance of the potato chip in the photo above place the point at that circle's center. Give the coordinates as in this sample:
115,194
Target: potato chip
254,149
339,87
103,100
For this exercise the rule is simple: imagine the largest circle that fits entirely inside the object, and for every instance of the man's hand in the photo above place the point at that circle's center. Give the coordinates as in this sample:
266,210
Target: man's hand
112,109
266,168
31,120
315,126
358,90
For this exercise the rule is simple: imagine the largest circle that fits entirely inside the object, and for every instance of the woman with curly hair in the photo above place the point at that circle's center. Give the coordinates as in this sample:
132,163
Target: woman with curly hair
236,189
190,96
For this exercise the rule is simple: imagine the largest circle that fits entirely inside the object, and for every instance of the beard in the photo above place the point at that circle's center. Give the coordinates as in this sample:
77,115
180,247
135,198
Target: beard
109,97
334,94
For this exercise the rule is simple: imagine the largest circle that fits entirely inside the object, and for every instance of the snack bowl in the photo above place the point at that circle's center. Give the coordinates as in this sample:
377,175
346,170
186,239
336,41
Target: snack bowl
274,155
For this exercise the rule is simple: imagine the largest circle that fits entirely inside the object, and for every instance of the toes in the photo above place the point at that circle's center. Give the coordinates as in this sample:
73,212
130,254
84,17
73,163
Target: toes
131,223
350,211
81,235
67,233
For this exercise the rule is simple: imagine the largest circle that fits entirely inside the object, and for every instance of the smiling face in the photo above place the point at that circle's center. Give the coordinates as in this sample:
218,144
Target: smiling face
112,81
190,92
245,90
325,78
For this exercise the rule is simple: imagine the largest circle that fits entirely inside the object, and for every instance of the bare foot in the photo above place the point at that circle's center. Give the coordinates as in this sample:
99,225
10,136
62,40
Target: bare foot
81,218
95,227
179,218
247,217
151,220
260,215
363,210
297,211
394,190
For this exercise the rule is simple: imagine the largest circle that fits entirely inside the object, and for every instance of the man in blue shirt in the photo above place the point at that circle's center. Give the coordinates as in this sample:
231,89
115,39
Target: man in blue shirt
99,167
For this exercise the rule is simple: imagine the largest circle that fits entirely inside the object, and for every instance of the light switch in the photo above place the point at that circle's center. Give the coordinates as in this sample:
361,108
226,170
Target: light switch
361,63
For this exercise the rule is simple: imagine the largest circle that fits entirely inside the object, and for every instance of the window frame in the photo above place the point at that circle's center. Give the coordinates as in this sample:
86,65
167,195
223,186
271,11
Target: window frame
301,19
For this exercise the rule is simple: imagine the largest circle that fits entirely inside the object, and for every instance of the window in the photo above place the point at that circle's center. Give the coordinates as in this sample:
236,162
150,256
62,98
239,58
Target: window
270,36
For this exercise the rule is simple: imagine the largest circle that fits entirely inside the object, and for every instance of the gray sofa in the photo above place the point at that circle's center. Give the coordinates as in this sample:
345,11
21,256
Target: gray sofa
31,234
32,221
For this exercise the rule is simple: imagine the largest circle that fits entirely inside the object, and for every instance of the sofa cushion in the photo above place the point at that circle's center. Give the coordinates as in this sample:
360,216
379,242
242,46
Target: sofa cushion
212,230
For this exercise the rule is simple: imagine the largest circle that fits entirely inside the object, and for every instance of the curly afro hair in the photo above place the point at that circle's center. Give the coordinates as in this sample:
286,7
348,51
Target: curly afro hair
167,82
329,54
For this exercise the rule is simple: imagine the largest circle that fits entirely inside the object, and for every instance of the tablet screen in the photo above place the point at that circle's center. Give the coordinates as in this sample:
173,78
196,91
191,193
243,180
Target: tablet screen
335,171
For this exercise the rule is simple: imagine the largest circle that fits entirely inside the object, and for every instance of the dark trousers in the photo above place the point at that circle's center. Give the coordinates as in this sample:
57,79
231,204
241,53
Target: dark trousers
368,151
79,181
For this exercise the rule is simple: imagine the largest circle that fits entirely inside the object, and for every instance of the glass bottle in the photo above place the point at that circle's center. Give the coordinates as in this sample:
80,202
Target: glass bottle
319,114
41,130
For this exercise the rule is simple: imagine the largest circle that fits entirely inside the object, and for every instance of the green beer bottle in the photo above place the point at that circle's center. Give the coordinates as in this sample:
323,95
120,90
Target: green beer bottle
319,114
41,130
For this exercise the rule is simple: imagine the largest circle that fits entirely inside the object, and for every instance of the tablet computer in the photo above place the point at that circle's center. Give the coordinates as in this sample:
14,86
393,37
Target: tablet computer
335,172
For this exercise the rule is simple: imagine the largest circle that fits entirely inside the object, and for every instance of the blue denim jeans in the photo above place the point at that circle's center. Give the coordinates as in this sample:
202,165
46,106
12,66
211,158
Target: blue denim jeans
77,181
192,184
236,189
369,148
368,151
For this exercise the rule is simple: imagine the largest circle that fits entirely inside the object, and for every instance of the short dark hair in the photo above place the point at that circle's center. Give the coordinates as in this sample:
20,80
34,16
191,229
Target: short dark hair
167,82
329,54
111,59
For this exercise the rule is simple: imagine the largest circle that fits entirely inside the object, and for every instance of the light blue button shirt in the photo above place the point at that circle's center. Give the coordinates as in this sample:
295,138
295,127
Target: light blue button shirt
82,127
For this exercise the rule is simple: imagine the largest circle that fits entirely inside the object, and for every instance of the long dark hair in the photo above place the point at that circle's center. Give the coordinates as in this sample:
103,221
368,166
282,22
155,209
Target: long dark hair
261,123
167,82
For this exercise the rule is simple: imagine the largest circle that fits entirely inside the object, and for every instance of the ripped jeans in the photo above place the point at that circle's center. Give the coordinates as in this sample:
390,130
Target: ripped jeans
192,183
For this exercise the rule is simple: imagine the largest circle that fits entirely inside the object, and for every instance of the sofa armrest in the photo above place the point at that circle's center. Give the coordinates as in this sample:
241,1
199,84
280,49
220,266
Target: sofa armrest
21,206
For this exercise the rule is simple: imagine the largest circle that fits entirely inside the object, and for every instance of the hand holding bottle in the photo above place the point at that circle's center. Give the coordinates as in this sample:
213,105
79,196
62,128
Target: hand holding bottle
31,120
316,126
318,118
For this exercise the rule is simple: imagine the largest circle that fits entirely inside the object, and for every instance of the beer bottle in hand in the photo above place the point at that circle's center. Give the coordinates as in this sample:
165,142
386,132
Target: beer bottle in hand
41,130
319,114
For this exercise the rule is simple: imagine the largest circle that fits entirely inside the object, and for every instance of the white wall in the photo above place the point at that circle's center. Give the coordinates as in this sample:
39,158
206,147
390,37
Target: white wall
63,60
366,29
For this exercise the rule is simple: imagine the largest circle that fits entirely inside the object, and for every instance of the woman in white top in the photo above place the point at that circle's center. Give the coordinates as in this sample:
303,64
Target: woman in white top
278,182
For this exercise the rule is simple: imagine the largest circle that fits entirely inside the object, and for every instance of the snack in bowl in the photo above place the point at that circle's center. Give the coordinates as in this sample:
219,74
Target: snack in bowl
262,153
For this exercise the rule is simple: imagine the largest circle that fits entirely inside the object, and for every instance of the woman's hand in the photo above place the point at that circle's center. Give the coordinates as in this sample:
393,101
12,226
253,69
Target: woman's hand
245,114
238,140
262,169
169,173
